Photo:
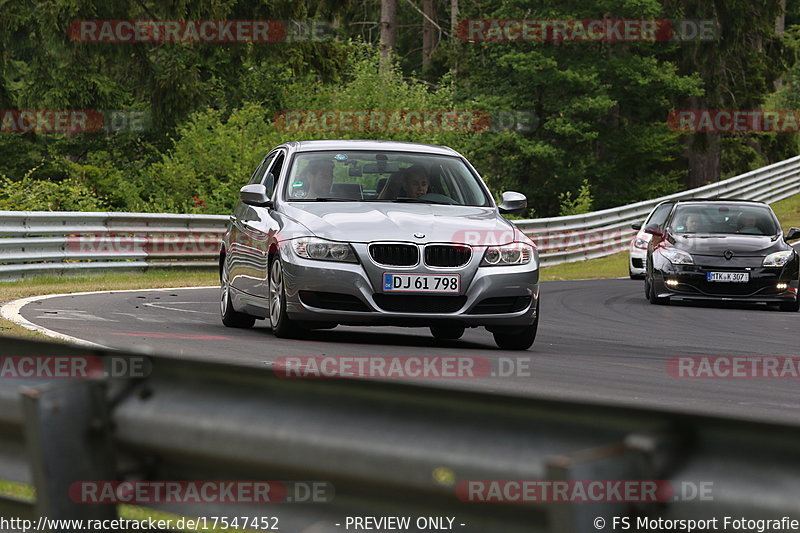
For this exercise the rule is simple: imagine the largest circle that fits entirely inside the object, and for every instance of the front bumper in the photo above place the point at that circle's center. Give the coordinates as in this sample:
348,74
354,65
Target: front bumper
691,284
351,293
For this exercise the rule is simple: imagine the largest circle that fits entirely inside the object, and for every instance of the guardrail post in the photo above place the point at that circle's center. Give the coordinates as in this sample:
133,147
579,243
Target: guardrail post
68,436
605,464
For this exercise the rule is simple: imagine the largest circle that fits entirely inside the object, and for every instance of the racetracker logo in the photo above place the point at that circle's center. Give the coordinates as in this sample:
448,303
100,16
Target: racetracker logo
733,367
400,367
144,245
204,492
404,121
733,121
197,31
581,490
73,367
586,30
72,121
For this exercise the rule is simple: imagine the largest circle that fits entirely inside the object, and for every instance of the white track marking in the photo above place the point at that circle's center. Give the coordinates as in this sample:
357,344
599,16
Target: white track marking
11,311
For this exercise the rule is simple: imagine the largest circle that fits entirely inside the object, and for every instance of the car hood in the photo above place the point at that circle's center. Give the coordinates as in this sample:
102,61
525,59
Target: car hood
741,245
386,221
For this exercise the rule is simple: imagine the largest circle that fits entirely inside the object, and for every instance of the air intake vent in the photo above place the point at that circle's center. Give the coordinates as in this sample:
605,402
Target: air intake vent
394,254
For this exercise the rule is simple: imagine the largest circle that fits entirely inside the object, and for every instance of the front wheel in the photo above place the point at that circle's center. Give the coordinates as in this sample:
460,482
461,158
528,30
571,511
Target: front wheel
282,325
231,317
790,306
653,297
517,337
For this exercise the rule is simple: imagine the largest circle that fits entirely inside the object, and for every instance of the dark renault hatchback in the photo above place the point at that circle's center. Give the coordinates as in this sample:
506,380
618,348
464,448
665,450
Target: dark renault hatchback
722,250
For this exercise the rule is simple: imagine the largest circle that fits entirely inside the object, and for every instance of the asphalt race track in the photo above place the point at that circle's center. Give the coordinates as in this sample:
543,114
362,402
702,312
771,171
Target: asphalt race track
599,340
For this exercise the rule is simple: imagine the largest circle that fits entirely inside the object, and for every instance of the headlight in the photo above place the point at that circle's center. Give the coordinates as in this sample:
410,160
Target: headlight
515,253
676,257
640,243
778,259
320,249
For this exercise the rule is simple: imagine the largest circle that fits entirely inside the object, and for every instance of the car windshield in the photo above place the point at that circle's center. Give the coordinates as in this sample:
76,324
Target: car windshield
383,177
723,219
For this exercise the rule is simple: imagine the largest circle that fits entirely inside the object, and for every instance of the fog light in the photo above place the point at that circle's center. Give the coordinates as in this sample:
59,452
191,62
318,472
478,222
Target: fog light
672,282
783,286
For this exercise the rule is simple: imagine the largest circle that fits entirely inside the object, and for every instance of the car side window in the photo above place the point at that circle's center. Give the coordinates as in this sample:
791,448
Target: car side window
274,173
660,215
259,172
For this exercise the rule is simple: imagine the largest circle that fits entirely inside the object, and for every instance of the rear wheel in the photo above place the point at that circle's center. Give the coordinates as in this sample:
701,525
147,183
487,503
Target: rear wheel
282,325
791,306
447,332
231,317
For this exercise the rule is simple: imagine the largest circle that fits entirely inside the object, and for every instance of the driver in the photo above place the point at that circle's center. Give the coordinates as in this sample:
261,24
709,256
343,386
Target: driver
411,182
320,177
749,224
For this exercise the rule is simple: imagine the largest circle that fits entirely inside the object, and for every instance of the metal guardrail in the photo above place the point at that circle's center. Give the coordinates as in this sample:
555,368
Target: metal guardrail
34,243
382,449
601,233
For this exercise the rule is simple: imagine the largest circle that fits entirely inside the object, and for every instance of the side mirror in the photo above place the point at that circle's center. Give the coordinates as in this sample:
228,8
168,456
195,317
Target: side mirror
655,230
792,234
513,202
255,195
636,226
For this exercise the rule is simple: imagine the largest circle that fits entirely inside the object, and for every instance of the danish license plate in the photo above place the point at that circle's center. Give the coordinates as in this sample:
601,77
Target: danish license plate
438,283
729,277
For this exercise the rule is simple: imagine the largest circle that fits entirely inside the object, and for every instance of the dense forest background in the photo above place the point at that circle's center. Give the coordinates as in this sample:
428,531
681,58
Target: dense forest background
600,137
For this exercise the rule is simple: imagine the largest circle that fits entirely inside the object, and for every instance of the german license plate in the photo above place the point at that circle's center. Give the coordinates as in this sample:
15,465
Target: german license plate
730,277
438,283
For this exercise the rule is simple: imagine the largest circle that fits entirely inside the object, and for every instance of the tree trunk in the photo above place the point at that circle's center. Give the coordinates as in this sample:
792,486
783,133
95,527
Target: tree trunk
388,29
703,154
428,32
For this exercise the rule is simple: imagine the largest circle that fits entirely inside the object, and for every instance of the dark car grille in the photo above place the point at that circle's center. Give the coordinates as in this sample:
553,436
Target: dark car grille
447,256
394,254
419,303
736,289
333,300
499,305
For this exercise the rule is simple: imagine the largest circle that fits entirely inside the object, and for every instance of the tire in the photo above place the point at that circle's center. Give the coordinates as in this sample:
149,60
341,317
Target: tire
655,299
517,338
790,306
231,317
447,332
282,325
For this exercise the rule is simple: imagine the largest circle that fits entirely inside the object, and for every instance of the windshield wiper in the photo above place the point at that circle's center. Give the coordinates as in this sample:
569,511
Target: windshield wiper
408,199
333,199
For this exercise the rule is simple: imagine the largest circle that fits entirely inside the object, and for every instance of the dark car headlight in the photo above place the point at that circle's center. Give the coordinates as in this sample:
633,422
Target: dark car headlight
323,250
515,253
677,257
778,259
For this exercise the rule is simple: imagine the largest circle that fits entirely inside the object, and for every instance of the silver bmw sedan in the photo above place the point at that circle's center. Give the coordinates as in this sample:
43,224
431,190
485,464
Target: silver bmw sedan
377,233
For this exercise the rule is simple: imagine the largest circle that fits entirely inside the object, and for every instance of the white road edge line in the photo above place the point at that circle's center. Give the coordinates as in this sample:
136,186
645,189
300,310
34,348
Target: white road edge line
11,311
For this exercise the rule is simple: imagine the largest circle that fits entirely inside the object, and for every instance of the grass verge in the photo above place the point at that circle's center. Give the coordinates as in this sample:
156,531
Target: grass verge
616,265
150,279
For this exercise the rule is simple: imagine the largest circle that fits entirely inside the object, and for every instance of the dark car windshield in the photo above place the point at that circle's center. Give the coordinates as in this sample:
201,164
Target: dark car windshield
723,218
373,176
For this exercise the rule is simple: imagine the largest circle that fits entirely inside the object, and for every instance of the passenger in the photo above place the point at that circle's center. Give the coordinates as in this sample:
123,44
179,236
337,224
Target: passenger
411,182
